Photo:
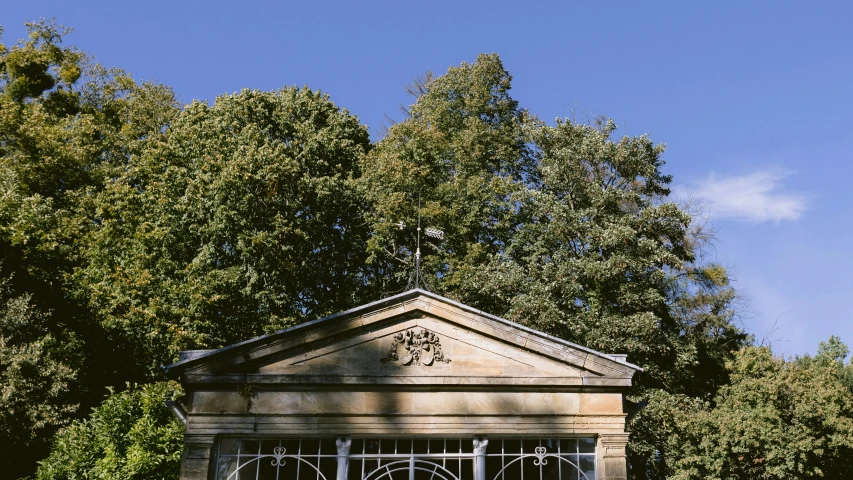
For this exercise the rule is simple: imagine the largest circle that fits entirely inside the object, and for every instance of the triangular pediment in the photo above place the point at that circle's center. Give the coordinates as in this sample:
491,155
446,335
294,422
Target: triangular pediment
423,345
415,338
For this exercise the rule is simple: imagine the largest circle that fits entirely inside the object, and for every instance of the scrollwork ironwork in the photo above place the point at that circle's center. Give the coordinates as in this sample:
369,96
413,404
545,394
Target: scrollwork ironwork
540,453
278,453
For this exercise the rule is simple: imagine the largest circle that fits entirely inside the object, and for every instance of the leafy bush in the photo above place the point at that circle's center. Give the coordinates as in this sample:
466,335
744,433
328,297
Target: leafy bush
777,419
132,435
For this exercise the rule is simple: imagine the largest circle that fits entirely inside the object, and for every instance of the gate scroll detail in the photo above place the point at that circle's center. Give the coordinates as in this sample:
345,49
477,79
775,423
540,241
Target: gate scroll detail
278,460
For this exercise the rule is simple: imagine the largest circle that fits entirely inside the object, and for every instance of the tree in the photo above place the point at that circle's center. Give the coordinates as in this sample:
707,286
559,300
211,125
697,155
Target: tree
777,419
831,354
240,218
592,262
66,125
131,436
462,152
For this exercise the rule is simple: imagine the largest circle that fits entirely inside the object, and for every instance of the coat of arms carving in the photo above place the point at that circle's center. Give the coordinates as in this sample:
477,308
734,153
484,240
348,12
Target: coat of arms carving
416,348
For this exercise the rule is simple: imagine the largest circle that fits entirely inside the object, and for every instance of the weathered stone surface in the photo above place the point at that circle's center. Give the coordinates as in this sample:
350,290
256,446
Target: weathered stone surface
197,455
469,354
496,403
477,403
612,456
373,319
333,402
552,403
393,378
218,402
417,425
277,402
593,403
388,403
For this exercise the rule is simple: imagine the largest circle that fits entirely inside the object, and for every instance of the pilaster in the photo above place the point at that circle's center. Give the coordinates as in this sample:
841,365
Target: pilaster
613,457
195,461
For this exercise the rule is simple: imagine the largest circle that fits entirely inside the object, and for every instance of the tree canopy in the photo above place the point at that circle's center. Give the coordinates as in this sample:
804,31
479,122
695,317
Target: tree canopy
776,419
462,153
242,217
66,126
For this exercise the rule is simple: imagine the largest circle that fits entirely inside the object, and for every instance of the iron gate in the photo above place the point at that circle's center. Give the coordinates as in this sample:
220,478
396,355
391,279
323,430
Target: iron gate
406,459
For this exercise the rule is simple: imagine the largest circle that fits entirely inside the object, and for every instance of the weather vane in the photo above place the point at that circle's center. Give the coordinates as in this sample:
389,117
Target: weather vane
430,232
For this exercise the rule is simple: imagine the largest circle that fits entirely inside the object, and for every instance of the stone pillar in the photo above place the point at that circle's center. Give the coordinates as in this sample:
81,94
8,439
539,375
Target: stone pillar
343,444
612,456
196,459
480,445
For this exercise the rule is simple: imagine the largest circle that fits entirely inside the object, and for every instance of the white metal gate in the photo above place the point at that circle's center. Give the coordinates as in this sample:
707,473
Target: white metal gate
407,459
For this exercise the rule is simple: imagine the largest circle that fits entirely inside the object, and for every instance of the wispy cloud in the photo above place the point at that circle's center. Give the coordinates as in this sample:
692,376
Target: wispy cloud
756,197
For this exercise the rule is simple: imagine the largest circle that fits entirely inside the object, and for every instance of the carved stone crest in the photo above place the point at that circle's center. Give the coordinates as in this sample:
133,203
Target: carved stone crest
416,348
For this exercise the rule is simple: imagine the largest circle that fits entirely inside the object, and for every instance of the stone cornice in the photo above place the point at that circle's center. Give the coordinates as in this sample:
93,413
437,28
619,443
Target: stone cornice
416,307
490,382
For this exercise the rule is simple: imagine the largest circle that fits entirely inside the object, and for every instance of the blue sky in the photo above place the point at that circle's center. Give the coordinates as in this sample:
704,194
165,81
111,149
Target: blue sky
753,100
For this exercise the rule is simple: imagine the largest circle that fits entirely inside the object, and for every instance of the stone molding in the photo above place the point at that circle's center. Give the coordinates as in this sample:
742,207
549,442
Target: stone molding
407,425
413,302
423,402
578,383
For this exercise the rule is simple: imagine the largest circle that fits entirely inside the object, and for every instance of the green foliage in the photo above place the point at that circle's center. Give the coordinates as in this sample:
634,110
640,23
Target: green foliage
132,435
777,419
240,218
37,64
66,126
53,159
661,421
38,378
592,261
559,227
464,152
833,350
832,354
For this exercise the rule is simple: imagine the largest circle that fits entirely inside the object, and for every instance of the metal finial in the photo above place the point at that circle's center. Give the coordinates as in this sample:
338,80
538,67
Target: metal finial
418,251
430,232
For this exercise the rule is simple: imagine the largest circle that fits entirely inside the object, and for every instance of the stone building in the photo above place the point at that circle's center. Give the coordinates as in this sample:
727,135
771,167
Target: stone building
415,386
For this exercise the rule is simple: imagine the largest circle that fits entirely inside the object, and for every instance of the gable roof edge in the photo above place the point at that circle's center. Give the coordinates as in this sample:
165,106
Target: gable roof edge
200,356
618,357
